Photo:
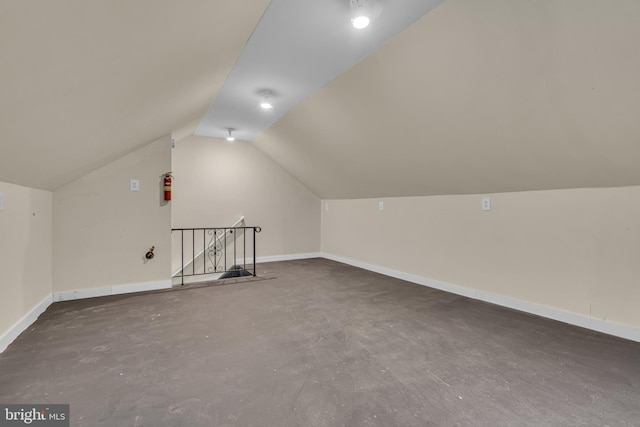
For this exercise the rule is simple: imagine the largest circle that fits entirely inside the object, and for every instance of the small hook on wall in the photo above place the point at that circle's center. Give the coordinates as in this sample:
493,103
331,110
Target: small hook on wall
150,254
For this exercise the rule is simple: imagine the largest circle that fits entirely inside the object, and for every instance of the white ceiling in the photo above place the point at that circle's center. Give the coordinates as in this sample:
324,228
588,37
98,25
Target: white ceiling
476,96
298,47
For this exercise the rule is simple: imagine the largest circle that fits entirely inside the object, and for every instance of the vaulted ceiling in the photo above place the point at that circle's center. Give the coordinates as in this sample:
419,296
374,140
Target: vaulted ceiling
84,82
478,96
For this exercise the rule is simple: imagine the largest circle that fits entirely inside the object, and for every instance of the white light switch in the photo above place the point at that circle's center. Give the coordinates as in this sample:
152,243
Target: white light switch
1,202
381,206
326,206
486,203
134,185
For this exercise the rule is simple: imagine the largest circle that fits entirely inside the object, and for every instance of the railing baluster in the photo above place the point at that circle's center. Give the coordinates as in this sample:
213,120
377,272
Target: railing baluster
218,246
215,250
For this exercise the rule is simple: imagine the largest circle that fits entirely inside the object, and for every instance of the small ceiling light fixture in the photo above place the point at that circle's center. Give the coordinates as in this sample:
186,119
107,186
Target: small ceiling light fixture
230,138
266,94
360,13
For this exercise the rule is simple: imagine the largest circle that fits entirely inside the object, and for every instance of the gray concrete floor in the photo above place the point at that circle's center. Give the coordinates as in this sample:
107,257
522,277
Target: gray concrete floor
318,344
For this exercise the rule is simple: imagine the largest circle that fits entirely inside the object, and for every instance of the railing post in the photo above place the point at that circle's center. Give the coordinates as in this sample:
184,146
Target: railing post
235,231
193,252
204,251
181,257
254,252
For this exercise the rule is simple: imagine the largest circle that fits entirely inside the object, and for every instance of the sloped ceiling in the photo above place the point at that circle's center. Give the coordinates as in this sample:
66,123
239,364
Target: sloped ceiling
85,82
478,97
297,48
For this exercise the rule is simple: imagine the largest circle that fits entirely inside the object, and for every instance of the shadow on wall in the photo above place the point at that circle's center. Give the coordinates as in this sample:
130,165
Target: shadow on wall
38,241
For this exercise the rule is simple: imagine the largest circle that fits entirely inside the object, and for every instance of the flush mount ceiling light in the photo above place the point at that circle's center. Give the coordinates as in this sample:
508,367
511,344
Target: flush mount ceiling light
360,14
294,74
266,94
230,138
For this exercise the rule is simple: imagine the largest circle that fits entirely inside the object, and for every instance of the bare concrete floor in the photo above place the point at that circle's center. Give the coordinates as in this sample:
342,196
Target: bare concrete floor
319,344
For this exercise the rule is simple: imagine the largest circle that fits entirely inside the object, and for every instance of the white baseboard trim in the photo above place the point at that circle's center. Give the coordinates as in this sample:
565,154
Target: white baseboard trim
27,320
21,325
594,324
276,258
261,259
289,257
111,290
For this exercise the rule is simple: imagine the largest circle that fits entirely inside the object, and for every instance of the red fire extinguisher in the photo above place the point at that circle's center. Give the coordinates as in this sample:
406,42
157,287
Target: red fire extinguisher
167,185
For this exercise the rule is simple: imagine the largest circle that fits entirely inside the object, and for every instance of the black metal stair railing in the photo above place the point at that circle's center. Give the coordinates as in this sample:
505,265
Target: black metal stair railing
217,252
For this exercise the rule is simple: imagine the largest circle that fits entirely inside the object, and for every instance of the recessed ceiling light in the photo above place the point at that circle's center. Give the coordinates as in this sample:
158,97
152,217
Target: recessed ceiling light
360,13
360,22
266,94
230,138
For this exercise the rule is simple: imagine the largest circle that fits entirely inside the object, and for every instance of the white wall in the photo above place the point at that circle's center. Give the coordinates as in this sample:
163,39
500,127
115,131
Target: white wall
576,251
25,256
102,230
216,182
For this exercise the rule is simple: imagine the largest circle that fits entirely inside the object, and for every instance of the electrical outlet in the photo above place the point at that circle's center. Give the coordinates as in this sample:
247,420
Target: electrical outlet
486,203
134,185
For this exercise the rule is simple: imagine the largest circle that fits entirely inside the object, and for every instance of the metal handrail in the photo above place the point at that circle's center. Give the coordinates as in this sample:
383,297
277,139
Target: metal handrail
220,247
213,243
